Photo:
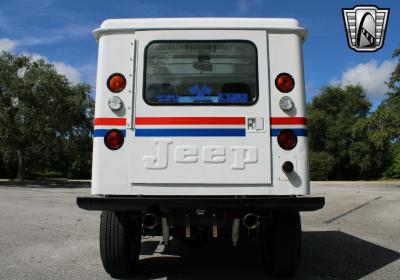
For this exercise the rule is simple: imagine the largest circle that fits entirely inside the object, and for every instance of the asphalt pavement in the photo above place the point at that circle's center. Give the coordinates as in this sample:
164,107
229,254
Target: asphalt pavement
44,235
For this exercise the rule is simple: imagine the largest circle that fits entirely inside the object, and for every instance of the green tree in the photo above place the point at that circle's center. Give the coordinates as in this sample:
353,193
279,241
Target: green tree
393,160
41,113
384,124
338,135
322,165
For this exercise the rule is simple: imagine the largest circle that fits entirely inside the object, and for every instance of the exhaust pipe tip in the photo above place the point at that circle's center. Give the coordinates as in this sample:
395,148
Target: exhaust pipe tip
150,221
250,221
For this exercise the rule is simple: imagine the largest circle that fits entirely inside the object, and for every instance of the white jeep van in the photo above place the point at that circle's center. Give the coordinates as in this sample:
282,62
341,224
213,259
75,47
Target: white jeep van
200,133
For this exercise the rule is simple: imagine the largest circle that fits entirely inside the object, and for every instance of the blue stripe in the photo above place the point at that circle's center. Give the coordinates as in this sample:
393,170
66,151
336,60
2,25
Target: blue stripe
297,131
187,132
142,132
102,132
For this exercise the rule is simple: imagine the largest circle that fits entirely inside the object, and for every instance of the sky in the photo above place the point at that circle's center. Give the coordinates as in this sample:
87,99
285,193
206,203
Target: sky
59,31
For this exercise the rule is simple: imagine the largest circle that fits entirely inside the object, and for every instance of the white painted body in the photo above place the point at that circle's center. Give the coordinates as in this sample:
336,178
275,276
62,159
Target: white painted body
249,165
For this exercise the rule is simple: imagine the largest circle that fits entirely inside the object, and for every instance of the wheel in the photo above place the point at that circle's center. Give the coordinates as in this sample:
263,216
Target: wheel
120,241
282,243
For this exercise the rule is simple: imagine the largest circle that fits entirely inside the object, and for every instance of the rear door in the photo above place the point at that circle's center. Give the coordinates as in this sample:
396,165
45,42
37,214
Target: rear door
201,108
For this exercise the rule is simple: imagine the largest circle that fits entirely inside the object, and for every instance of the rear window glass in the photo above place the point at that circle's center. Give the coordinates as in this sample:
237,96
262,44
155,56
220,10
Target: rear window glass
200,73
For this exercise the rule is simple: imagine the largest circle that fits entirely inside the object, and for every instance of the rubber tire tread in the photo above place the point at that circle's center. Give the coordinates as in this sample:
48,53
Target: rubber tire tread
119,245
283,244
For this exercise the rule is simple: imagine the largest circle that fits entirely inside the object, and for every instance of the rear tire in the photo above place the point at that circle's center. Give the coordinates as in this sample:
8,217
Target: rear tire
120,241
282,244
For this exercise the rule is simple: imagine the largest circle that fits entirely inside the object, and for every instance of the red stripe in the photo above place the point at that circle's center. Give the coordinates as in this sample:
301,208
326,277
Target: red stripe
288,120
190,120
195,120
110,121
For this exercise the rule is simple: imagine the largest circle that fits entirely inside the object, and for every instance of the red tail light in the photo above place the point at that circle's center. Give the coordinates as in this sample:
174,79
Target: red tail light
116,82
284,82
287,139
113,139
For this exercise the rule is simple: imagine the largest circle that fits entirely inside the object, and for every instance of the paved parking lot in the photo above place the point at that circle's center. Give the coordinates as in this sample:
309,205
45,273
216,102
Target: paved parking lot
44,235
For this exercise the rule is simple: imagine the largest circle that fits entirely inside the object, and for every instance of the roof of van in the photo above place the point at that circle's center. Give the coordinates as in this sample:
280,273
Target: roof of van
278,24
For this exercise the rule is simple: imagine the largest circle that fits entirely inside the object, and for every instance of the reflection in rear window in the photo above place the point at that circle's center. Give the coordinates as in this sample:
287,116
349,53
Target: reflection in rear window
201,72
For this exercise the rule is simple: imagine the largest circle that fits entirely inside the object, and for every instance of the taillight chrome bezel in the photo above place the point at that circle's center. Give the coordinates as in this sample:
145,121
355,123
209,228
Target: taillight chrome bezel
286,103
115,103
